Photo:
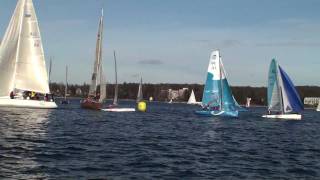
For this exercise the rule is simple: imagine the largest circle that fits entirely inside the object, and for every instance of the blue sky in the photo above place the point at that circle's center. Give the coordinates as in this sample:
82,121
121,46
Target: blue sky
171,40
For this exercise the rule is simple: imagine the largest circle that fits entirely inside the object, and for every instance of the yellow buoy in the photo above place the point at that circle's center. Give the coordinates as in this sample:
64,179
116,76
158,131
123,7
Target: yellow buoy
142,106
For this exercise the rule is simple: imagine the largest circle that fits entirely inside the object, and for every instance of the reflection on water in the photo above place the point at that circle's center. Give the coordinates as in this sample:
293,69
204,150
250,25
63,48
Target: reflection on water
21,132
168,142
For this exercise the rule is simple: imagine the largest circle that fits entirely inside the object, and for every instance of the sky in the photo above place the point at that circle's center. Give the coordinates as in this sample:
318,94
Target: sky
169,41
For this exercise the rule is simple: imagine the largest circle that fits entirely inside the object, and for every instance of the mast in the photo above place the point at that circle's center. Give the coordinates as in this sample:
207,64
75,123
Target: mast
49,73
98,58
221,84
66,86
115,99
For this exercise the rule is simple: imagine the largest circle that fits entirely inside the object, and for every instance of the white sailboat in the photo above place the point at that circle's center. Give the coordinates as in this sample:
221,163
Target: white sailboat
283,99
22,62
318,107
114,106
140,94
192,99
248,103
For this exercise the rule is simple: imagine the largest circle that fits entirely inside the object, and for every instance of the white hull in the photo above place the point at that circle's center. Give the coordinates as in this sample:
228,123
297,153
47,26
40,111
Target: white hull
195,103
283,116
119,109
22,103
318,109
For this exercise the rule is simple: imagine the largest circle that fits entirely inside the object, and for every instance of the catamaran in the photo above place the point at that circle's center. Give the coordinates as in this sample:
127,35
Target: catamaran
318,107
248,103
23,73
283,99
217,99
94,100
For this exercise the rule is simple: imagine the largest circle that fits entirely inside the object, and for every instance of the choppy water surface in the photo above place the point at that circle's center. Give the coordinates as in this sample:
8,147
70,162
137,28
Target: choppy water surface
168,142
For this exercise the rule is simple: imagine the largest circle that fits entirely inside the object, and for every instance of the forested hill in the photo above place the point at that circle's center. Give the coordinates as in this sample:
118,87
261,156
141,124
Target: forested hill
159,91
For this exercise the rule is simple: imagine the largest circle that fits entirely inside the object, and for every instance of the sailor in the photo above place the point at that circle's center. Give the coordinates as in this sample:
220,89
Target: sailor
12,95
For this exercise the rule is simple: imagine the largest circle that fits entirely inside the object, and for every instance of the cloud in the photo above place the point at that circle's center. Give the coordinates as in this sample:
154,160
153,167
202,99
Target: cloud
151,62
288,44
227,43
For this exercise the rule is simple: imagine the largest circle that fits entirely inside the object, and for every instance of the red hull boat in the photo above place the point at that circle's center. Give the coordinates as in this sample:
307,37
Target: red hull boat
91,104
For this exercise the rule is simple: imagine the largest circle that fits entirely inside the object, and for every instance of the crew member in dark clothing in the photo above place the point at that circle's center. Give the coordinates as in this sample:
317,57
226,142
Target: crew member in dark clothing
11,95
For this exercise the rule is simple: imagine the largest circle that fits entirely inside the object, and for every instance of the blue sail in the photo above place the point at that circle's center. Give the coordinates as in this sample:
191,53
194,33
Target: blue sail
291,93
228,103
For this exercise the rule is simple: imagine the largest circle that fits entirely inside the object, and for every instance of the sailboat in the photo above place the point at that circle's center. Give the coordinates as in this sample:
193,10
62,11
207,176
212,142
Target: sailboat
217,99
283,99
65,101
114,106
140,95
116,88
192,99
318,107
94,100
248,103
23,73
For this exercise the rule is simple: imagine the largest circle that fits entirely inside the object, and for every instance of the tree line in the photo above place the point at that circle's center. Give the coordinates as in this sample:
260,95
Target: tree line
258,95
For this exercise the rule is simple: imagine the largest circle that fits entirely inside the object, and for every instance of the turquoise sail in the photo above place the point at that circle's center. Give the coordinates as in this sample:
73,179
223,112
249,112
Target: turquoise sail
274,96
217,97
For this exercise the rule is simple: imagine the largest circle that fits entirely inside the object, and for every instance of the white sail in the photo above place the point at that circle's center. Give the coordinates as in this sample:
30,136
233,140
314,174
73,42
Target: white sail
103,88
9,49
30,73
98,59
66,85
115,99
192,98
318,108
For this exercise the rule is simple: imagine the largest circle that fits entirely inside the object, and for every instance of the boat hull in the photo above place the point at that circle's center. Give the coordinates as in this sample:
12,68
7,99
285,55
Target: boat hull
283,116
119,109
24,103
217,113
91,104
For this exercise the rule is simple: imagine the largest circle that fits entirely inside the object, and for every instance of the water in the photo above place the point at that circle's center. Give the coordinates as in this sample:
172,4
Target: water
168,142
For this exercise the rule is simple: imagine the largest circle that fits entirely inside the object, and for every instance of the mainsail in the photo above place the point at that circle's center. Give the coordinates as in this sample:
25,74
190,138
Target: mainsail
98,58
66,85
140,95
274,96
115,99
22,61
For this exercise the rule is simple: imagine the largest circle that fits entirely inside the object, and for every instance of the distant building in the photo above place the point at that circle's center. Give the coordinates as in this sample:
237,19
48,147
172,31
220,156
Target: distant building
177,94
311,100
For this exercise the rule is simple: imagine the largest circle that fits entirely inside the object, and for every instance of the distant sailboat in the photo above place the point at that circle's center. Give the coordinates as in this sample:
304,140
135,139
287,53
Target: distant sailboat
66,101
217,97
95,100
114,106
318,108
248,103
283,99
22,62
140,95
192,98
115,99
